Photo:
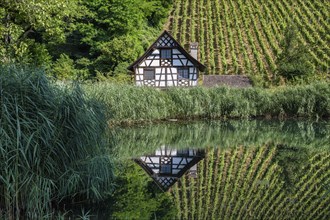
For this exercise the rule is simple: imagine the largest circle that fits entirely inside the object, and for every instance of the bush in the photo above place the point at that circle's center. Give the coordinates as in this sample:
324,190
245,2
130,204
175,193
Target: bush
294,60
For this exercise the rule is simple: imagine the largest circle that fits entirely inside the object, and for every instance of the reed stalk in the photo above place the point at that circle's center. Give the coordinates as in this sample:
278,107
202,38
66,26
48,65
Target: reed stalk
53,145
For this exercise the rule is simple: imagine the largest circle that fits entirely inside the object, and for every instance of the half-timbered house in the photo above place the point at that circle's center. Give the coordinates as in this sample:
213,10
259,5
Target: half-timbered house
166,63
167,165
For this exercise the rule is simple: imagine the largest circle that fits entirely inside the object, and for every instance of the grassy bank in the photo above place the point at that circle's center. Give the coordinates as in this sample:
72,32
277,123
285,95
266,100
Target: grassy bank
53,146
130,103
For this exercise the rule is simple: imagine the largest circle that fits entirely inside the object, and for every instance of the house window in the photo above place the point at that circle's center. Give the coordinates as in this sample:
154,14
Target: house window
166,54
148,74
183,73
165,168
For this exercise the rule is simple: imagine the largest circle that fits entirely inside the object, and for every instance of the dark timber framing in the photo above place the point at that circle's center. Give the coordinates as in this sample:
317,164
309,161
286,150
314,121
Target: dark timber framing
166,56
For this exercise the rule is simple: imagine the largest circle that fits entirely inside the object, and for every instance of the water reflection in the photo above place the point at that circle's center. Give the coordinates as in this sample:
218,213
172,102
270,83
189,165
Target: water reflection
166,165
266,182
246,170
141,140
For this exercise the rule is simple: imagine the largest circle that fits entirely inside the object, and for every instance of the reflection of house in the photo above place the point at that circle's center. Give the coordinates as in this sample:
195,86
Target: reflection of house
166,166
166,64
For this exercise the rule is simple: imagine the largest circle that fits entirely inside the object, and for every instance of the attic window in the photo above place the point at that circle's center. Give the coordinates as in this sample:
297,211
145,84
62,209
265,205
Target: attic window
148,74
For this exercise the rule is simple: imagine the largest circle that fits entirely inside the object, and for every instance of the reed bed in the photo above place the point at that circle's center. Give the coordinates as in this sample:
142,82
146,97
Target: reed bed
53,145
127,103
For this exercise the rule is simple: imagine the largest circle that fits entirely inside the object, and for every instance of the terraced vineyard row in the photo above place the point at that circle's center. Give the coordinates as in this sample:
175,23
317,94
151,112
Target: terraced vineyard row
246,183
242,37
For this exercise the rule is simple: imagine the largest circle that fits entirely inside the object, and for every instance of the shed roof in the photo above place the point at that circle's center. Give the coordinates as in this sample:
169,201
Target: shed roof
154,46
238,81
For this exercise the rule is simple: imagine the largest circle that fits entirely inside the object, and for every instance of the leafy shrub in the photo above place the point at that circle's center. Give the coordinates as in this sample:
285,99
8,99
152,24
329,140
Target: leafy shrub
294,60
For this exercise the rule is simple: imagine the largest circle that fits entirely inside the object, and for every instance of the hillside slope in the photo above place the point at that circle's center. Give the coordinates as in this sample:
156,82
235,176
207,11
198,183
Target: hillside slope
242,37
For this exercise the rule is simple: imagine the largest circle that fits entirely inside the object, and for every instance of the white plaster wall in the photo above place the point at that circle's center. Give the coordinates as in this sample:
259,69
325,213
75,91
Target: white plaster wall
155,63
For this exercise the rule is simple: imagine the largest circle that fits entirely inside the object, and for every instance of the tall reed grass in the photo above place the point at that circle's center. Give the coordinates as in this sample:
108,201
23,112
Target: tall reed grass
53,145
130,103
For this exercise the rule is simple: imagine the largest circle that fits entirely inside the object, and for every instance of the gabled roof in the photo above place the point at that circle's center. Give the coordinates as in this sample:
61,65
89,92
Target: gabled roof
154,46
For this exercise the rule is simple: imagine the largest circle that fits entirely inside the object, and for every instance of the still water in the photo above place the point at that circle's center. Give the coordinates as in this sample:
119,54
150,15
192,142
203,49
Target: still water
222,170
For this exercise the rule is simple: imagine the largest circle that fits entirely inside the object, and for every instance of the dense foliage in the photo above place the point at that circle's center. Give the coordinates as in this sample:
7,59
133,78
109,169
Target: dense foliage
53,145
79,38
244,37
294,61
91,38
130,103
248,183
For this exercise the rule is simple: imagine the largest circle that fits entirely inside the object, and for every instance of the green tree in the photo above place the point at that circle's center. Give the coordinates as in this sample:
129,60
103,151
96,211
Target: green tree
64,68
122,49
294,60
115,32
25,23
99,36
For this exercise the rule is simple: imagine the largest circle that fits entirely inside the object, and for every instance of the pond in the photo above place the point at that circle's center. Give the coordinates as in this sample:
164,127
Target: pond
258,169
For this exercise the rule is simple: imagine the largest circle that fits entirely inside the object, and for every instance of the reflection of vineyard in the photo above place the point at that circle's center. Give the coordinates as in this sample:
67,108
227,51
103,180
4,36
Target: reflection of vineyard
242,36
246,183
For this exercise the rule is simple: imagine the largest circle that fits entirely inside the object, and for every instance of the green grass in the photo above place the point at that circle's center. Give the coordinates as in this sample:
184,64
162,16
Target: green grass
53,145
129,103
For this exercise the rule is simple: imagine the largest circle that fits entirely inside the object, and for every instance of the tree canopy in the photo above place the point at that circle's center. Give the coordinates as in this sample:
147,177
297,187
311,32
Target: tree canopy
87,37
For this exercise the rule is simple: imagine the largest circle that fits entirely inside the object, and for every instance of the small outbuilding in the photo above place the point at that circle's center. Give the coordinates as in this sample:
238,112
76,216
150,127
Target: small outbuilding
166,63
238,81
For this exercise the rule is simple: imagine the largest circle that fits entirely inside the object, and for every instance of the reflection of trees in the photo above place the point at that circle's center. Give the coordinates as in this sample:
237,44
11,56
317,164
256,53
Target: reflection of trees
139,140
292,160
137,198
260,169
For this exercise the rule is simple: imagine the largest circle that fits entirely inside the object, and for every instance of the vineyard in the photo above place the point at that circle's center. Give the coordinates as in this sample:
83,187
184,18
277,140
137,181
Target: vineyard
243,37
246,183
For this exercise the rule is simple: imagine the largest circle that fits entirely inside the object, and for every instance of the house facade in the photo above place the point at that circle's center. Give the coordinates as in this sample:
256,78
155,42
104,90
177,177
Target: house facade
166,63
